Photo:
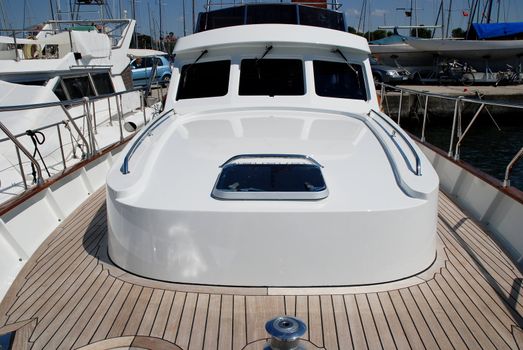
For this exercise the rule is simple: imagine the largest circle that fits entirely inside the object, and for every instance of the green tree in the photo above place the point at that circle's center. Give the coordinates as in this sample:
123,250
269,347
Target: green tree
458,33
421,33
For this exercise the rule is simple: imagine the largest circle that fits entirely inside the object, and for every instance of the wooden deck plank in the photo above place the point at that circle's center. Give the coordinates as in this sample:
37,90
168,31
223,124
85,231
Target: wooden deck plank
400,339
239,332
97,318
463,313
160,322
261,309
424,330
150,313
54,305
302,312
125,312
315,322
226,323
367,320
355,324
137,313
330,336
88,313
199,322
387,342
431,320
62,324
173,322
186,322
290,305
102,329
212,326
407,324
342,323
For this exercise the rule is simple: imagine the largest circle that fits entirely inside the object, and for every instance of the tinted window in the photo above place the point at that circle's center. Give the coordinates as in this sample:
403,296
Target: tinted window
271,77
285,14
228,17
103,83
335,79
78,87
311,16
59,92
209,79
271,178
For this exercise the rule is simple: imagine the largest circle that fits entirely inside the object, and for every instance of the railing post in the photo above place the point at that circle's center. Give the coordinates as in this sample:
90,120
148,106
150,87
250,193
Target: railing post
110,114
424,118
142,106
457,106
89,126
382,96
39,179
399,107
71,120
462,136
17,55
94,117
21,167
118,107
61,145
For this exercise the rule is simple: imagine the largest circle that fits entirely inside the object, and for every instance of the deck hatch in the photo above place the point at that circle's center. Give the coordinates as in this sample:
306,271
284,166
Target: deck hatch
270,177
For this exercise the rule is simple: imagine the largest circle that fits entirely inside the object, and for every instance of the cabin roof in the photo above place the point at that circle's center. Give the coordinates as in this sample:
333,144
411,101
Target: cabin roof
292,35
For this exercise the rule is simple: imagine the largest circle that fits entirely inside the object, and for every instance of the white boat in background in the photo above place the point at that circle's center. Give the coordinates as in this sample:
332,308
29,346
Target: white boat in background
495,54
70,69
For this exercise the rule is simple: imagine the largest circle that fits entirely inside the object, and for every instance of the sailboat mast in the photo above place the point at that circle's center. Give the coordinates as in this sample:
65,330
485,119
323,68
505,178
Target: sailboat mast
489,11
448,19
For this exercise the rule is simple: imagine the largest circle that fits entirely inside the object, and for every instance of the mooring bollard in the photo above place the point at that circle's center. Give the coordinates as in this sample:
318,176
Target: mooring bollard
285,333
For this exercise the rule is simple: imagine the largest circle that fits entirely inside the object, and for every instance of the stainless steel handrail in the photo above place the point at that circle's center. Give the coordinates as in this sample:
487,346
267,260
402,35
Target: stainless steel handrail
459,100
417,170
39,179
124,169
508,170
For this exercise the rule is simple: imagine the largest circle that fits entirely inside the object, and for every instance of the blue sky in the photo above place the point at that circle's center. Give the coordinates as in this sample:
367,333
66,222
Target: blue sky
380,12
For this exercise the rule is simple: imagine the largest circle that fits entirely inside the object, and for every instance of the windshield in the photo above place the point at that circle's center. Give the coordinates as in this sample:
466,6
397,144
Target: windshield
341,80
271,77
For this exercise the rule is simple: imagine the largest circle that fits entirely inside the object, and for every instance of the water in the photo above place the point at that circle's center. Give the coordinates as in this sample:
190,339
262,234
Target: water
484,146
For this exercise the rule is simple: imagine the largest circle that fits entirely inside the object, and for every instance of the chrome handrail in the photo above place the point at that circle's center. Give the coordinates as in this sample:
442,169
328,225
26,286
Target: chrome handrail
417,172
508,170
124,169
459,100
39,179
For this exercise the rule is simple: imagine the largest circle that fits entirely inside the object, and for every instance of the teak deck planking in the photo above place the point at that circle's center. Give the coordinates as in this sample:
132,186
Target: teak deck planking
70,295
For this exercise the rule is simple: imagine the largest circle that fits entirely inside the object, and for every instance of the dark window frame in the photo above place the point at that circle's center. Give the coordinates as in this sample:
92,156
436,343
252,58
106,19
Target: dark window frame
302,68
224,90
363,79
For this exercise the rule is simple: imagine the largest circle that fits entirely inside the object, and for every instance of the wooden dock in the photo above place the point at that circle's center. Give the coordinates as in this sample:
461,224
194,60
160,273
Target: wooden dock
70,295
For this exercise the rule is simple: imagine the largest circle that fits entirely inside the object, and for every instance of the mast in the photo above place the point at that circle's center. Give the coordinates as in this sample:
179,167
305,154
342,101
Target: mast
448,18
489,11
184,27
52,10
193,18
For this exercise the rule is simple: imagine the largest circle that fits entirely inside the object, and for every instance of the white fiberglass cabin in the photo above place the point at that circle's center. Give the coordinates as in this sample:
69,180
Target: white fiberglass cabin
272,167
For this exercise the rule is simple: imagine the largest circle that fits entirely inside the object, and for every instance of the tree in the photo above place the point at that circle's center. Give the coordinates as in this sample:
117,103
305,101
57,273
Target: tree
421,33
353,30
458,33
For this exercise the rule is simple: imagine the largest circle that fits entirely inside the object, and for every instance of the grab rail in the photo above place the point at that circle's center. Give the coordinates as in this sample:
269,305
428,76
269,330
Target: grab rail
417,172
508,170
124,169
39,179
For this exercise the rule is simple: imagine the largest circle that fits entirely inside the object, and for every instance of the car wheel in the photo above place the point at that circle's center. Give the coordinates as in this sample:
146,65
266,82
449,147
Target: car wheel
166,79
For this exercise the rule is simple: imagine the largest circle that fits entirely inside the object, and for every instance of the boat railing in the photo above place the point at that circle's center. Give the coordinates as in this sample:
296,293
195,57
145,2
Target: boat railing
89,146
456,134
397,131
124,169
332,4
114,29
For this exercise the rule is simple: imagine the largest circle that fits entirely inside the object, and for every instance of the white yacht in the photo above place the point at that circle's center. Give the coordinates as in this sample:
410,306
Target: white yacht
270,185
50,82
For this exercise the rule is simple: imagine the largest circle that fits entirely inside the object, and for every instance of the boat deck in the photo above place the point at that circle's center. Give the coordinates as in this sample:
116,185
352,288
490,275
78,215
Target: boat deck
70,295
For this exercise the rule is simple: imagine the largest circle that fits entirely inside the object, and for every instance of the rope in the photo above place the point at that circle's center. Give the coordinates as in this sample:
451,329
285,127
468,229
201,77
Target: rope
34,135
